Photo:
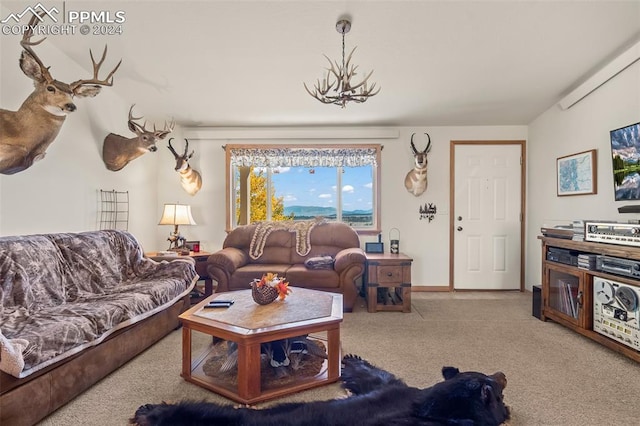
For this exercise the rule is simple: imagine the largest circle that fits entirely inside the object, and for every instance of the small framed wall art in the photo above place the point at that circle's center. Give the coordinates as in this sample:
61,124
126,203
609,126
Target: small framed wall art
576,174
193,245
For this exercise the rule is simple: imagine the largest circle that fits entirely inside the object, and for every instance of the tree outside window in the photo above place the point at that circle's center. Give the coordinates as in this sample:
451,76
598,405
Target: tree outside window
258,196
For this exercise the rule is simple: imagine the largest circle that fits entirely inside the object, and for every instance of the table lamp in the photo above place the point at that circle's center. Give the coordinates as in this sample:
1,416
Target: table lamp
176,214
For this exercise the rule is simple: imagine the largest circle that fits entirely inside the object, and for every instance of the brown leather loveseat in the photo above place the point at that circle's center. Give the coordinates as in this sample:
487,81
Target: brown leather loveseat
250,251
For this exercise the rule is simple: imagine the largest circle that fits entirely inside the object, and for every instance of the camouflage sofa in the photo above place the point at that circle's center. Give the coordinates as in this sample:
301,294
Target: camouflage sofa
75,307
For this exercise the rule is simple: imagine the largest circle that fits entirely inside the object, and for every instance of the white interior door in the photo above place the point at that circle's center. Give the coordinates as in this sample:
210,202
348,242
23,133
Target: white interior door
487,217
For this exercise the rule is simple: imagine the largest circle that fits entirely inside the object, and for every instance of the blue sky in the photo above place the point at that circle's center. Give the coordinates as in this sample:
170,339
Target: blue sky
301,188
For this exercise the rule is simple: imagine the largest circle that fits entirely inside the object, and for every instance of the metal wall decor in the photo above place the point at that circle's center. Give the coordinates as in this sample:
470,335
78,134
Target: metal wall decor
428,211
114,210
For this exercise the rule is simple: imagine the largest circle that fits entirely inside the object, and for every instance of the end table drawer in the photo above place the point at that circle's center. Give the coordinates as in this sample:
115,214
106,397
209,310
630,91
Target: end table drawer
389,274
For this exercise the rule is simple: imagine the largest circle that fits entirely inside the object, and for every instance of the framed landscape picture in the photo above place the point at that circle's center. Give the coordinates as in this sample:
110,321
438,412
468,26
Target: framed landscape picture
577,174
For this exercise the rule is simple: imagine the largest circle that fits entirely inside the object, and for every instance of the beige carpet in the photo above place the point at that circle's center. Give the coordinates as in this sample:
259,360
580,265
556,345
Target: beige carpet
555,377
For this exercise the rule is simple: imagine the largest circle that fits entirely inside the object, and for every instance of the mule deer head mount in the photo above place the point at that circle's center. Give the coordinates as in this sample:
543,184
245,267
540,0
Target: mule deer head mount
190,179
26,134
416,179
118,151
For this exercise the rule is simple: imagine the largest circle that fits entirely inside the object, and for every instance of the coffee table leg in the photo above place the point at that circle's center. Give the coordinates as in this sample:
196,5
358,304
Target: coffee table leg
248,370
186,351
333,352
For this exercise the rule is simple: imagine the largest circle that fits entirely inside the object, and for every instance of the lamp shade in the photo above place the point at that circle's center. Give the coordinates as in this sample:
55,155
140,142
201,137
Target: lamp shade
177,214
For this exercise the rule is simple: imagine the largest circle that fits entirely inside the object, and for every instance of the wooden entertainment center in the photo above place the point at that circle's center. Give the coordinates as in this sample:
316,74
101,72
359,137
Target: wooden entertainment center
564,283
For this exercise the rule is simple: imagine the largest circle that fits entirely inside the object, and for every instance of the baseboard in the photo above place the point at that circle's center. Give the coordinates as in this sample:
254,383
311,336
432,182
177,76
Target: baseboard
445,288
427,288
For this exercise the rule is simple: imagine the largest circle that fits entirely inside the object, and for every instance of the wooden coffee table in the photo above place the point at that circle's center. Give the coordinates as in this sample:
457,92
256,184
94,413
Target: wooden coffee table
249,325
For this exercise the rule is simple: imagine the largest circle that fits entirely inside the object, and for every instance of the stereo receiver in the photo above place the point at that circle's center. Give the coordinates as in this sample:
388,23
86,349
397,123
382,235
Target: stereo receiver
619,266
566,256
627,234
615,311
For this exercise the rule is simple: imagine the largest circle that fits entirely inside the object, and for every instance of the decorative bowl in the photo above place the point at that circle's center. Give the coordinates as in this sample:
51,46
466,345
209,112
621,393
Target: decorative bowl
263,295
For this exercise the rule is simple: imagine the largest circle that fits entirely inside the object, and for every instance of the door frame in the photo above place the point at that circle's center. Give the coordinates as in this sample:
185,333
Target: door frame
452,202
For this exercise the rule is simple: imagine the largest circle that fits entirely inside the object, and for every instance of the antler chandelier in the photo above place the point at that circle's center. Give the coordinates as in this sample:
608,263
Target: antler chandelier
342,90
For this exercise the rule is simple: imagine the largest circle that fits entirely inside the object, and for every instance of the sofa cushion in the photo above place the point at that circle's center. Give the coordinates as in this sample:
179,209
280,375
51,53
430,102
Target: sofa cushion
242,277
26,282
98,261
327,239
299,275
102,285
277,248
57,332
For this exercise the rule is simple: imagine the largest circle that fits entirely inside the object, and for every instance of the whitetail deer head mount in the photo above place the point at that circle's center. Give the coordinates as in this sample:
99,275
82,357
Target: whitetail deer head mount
118,151
26,134
190,179
416,179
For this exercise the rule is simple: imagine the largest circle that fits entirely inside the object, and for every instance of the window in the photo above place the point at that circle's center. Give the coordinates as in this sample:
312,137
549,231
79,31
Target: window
300,182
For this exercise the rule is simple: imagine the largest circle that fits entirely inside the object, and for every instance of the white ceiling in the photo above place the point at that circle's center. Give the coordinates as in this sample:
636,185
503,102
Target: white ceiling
241,63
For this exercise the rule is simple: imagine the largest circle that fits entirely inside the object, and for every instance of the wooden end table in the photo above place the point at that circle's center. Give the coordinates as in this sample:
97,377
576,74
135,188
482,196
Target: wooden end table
391,272
249,325
200,258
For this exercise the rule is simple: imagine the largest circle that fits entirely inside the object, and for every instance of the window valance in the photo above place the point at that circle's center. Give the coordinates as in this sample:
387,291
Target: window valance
303,157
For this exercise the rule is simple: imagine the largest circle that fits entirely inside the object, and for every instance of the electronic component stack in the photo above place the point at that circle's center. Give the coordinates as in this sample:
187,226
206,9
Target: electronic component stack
587,261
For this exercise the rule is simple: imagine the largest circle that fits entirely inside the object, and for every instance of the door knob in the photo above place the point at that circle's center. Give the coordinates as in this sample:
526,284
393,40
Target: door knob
459,228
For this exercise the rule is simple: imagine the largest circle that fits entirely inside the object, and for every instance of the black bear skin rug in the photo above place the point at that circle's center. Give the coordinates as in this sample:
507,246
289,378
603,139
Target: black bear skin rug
378,398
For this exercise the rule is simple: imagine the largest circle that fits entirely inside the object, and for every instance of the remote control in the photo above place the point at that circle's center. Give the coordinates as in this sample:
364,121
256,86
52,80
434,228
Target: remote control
219,304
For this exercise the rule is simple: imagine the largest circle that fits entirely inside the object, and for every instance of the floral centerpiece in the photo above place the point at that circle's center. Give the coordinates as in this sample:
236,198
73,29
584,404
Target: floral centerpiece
268,288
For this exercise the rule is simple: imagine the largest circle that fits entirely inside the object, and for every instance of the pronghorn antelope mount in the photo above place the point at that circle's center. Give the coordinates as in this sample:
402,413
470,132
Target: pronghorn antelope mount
416,179
190,179
26,134
118,151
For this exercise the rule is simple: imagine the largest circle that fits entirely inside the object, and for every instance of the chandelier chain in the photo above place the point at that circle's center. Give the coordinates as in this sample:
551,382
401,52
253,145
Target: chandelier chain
343,67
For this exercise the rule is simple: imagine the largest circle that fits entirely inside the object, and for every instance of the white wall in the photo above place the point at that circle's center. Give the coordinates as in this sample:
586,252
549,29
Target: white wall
60,193
208,205
557,133
427,243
